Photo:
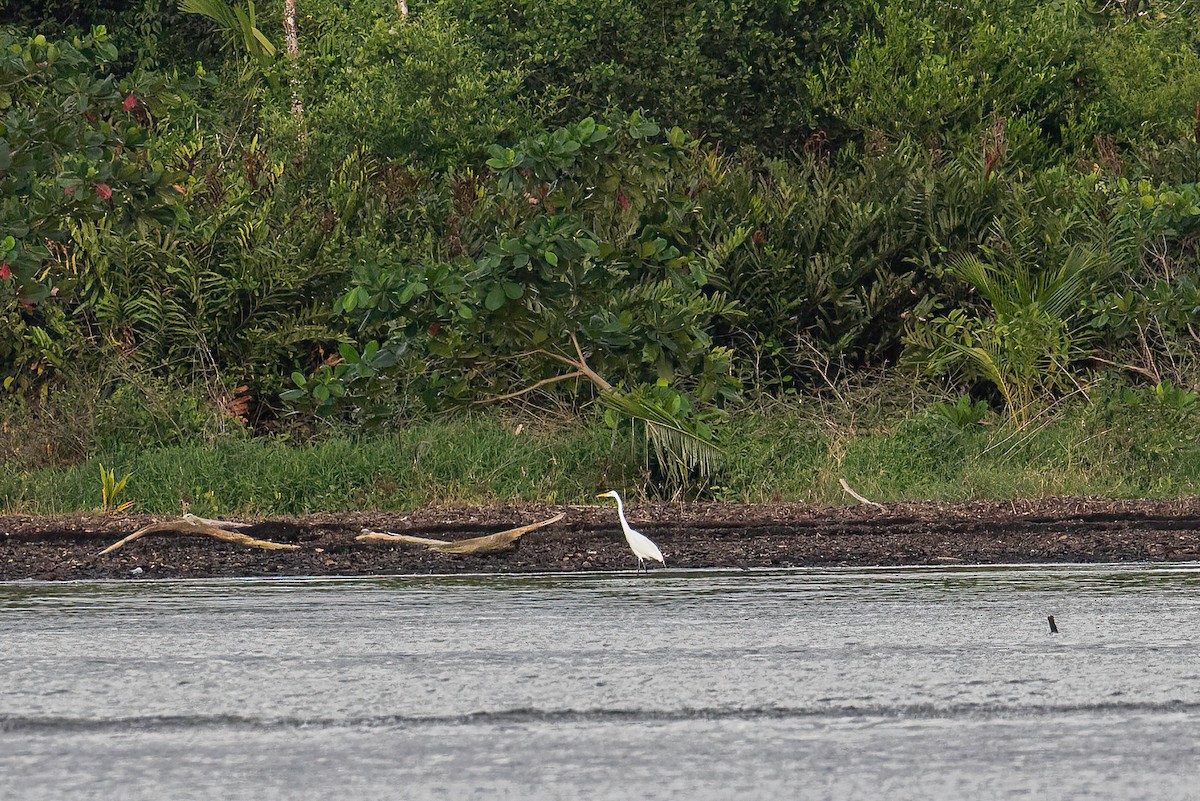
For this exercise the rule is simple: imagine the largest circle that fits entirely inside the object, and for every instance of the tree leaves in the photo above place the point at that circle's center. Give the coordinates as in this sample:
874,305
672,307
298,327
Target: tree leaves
495,298
70,155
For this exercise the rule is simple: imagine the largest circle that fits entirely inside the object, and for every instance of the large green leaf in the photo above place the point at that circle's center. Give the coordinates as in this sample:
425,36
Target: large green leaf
237,23
681,447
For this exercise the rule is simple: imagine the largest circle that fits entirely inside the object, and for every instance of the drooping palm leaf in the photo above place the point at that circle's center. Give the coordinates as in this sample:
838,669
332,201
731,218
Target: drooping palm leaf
1035,330
1064,289
681,449
239,24
218,11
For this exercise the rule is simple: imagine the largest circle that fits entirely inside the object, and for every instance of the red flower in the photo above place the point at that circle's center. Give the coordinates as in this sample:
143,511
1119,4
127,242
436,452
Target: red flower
130,102
5,273
622,201
68,191
104,191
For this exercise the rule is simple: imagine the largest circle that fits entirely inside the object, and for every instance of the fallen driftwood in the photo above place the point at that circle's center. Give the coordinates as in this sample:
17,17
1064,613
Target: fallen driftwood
191,518
492,543
191,524
387,536
856,496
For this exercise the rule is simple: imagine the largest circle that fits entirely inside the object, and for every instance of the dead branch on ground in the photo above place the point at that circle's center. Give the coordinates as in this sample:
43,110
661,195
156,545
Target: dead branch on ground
491,543
191,518
387,536
198,525
856,496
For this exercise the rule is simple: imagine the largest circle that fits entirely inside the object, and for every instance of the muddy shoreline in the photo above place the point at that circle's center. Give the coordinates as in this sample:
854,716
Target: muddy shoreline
589,538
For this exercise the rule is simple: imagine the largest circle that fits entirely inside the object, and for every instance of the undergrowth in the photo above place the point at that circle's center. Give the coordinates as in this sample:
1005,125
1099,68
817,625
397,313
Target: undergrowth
1115,442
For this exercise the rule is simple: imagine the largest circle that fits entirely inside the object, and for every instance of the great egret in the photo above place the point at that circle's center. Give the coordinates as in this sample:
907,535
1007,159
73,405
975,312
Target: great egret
641,545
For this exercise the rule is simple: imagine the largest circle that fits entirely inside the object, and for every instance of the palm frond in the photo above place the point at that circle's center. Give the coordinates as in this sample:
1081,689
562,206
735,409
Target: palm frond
218,11
988,281
239,24
680,447
1013,288
1071,283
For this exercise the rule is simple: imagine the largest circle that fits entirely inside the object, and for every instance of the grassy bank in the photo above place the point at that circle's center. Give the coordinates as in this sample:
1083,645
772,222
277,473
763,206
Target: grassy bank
1121,444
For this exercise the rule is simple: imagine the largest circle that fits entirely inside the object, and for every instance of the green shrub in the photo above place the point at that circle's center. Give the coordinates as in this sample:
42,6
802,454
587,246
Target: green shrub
733,71
839,253
411,90
1057,75
74,146
587,247
1143,78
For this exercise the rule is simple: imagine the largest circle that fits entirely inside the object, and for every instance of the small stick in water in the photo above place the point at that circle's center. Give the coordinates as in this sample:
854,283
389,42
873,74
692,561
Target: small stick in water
1053,627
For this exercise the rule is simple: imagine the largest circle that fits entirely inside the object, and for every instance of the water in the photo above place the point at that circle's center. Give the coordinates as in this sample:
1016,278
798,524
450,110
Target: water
808,684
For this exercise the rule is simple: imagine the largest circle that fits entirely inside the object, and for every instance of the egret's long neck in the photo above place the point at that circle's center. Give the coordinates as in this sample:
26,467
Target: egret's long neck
621,513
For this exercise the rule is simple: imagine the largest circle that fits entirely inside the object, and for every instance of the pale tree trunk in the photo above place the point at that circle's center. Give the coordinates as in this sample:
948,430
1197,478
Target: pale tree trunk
403,6
292,44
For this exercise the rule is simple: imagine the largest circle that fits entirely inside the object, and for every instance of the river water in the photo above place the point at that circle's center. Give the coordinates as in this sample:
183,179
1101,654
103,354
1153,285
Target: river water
801,684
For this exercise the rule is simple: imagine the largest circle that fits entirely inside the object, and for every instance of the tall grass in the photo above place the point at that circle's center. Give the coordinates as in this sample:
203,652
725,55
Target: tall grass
1095,447
1123,446
469,461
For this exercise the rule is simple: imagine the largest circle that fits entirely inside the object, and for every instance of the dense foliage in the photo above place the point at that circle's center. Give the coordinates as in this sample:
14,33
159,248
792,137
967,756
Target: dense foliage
73,152
657,206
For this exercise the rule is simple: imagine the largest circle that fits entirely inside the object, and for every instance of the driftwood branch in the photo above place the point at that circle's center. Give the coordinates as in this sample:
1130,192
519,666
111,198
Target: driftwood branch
387,536
491,543
856,496
196,527
494,543
191,518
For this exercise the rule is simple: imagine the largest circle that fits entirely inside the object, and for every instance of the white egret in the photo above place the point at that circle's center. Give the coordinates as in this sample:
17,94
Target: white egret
641,545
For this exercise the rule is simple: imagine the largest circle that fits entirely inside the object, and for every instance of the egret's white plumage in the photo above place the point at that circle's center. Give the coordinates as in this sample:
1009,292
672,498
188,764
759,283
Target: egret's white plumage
641,545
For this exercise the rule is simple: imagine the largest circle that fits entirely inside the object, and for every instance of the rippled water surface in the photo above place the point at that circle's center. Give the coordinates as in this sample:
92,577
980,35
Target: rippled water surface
809,684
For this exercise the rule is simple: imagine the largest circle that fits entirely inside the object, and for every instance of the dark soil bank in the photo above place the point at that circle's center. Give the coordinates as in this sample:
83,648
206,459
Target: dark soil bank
589,538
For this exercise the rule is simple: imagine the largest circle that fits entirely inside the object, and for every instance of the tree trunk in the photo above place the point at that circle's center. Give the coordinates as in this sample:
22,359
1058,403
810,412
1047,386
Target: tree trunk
292,45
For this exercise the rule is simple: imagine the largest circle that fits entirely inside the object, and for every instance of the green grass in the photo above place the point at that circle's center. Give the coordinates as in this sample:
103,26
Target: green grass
786,453
1092,449
467,461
